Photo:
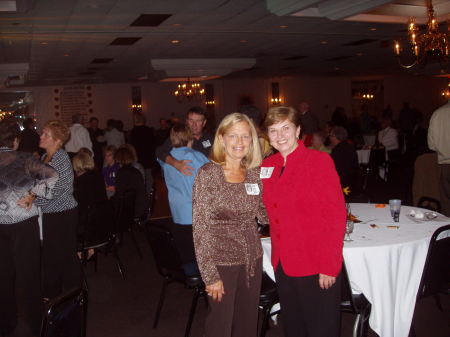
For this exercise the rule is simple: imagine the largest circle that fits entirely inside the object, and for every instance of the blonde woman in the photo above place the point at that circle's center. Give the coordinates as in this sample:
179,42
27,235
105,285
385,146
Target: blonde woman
226,200
61,270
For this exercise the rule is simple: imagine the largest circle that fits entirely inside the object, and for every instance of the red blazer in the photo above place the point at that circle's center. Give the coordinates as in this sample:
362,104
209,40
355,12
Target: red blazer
307,213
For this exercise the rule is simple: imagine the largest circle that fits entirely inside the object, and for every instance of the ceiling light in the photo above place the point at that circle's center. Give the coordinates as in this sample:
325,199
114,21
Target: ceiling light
66,55
44,43
175,41
359,54
176,24
189,90
373,29
283,26
243,41
431,44
323,42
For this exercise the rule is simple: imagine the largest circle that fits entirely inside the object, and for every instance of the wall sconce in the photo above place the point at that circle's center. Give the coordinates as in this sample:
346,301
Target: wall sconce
136,99
276,99
446,93
210,102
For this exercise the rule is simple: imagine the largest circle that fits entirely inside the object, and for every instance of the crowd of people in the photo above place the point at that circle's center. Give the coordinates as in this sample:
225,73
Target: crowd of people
282,170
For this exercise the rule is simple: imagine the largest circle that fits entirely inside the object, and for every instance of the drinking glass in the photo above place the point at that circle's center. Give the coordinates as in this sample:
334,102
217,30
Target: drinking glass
348,229
395,205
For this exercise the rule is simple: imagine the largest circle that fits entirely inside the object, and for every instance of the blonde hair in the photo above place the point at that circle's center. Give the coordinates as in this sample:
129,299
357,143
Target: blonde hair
180,135
279,114
59,131
253,158
82,162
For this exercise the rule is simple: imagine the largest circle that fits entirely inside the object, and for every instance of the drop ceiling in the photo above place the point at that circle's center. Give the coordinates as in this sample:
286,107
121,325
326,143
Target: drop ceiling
98,41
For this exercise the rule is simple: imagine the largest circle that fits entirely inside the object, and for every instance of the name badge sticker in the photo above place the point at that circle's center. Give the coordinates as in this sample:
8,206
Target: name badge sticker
206,143
266,172
252,189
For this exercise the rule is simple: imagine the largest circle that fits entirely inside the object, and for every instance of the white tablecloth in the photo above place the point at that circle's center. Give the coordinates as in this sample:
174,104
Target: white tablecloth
385,264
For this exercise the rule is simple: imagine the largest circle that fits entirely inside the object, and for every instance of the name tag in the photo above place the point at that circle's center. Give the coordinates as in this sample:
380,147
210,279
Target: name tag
252,189
266,172
206,143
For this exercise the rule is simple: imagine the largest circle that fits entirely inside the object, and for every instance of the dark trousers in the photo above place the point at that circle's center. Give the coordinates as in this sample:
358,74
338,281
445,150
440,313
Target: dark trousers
60,266
306,309
182,234
445,189
20,282
237,314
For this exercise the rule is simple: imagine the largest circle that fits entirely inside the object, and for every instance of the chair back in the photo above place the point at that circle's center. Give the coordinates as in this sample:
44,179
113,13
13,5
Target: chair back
164,250
99,227
66,315
124,209
436,272
430,203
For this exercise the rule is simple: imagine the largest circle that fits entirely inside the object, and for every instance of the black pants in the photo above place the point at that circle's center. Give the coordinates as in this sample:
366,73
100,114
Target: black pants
182,234
20,281
237,314
306,309
445,189
60,266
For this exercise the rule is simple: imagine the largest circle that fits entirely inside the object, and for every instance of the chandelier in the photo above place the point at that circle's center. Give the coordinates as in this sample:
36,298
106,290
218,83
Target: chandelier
431,44
189,90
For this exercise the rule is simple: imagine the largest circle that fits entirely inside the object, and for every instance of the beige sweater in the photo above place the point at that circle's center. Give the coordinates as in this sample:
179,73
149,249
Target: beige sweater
439,133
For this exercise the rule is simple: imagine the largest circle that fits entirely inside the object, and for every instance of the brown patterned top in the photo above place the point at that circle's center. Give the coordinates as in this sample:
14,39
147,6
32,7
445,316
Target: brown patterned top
224,226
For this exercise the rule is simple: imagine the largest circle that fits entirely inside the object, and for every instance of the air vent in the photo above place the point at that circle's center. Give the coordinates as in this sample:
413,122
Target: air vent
150,20
339,58
360,42
297,57
102,60
125,41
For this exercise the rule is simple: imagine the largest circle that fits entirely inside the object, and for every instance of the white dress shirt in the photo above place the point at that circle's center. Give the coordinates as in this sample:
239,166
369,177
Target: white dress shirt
79,137
388,137
114,137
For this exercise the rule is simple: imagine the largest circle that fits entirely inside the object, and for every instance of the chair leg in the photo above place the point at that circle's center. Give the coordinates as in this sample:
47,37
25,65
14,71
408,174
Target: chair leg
119,263
160,303
133,237
265,321
357,326
192,312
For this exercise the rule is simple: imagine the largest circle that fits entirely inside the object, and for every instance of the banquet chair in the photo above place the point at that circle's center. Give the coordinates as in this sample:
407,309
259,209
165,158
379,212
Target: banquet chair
65,316
436,272
267,299
355,304
169,266
125,219
430,203
100,234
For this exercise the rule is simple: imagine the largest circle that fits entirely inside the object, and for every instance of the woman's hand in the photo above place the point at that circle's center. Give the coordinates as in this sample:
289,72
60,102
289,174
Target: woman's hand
326,281
26,201
216,290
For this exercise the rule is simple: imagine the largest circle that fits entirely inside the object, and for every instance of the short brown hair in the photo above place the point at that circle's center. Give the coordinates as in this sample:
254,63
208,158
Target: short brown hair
9,131
110,148
180,135
82,162
59,130
123,156
279,114
132,150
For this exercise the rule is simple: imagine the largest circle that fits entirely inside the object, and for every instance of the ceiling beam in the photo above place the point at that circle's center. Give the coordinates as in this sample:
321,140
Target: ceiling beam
287,7
341,9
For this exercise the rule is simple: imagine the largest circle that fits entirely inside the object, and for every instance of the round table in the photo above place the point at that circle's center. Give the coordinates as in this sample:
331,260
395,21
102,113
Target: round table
385,262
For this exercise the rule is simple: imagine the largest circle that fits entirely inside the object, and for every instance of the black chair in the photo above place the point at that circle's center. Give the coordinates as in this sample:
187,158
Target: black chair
436,272
124,205
100,233
65,316
430,203
267,299
355,304
170,268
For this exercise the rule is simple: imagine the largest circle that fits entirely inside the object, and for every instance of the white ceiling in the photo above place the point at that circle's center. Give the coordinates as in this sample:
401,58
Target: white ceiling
59,39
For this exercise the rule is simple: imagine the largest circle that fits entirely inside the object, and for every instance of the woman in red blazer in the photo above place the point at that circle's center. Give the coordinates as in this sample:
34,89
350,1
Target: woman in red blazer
307,215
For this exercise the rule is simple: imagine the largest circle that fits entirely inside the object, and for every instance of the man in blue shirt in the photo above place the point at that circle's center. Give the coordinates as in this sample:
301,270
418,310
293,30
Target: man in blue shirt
180,192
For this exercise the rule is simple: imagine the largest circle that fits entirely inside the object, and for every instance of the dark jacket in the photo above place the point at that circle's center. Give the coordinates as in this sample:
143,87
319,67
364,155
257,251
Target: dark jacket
346,162
130,179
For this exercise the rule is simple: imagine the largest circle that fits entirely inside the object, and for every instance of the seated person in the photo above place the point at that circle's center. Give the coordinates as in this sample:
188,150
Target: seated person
180,193
109,170
88,189
318,139
129,179
344,156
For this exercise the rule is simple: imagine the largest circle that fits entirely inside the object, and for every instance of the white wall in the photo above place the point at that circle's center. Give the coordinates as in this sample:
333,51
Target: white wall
323,94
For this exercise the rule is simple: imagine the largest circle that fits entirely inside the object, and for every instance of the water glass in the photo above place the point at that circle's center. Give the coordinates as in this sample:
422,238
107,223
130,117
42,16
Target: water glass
349,226
395,205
